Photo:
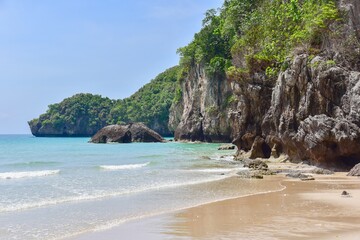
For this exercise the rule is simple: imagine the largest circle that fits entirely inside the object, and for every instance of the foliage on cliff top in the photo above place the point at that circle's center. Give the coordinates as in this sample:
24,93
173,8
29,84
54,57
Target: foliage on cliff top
94,108
150,104
258,35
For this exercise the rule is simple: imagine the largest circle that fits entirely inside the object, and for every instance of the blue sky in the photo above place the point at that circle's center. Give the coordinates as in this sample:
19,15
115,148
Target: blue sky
50,50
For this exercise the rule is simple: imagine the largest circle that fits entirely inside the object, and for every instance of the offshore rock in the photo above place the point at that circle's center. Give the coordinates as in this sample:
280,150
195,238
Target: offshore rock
133,132
227,147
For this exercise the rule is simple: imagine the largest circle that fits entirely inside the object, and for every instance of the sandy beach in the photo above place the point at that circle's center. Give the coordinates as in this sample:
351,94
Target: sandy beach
302,210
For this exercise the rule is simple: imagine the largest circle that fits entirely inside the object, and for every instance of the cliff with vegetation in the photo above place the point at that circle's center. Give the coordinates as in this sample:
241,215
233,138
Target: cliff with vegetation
85,114
275,77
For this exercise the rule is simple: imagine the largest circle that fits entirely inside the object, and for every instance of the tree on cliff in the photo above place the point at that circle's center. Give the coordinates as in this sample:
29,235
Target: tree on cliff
245,36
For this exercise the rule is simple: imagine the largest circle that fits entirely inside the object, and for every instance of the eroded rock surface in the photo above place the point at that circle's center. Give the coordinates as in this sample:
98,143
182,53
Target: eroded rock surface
201,114
134,132
310,111
355,171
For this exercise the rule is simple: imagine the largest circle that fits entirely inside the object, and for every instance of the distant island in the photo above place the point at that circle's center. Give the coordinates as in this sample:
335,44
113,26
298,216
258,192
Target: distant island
82,115
273,77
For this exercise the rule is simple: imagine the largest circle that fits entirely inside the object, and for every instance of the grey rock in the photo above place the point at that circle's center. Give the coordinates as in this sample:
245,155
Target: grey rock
307,179
345,193
298,175
227,147
260,149
257,176
251,174
199,115
134,132
355,171
322,171
256,164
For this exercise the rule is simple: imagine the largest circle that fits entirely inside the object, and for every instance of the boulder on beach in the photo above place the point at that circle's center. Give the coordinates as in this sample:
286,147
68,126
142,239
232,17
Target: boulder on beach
255,164
133,132
300,175
355,171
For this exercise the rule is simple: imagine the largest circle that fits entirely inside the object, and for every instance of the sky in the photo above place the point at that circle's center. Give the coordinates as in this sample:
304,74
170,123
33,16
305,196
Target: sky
53,49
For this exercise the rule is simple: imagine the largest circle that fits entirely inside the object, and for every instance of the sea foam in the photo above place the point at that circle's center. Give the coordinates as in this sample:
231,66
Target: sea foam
124,167
16,175
105,194
214,170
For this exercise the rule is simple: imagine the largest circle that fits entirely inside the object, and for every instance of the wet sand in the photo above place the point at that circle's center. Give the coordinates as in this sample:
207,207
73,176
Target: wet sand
304,210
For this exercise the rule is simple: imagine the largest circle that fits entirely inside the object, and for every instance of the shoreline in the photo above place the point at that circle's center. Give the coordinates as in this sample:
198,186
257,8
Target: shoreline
299,211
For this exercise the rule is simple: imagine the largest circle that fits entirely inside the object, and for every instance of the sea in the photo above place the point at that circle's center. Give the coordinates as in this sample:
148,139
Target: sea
58,188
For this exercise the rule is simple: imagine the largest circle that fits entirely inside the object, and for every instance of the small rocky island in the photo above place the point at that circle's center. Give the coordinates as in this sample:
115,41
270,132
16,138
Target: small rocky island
133,132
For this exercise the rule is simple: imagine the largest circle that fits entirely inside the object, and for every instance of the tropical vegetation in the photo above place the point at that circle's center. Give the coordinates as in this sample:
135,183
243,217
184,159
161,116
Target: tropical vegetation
248,36
150,104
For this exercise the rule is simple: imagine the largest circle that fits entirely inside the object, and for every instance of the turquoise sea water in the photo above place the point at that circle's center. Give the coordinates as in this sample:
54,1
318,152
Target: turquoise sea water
54,188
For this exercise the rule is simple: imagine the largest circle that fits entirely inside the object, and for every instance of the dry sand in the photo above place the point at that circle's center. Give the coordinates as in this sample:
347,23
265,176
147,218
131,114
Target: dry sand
304,210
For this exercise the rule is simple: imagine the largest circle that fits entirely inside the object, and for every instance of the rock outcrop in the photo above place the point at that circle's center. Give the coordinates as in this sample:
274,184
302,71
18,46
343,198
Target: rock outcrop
355,171
201,113
227,147
311,111
133,132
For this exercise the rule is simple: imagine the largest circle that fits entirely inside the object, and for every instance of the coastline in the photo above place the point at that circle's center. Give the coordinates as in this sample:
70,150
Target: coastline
313,209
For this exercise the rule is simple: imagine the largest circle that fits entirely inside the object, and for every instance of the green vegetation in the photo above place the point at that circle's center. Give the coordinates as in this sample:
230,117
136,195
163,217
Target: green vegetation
87,113
92,110
151,103
250,36
212,45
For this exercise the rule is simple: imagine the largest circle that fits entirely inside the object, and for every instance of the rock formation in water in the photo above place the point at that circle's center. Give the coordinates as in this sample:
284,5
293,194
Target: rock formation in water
133,132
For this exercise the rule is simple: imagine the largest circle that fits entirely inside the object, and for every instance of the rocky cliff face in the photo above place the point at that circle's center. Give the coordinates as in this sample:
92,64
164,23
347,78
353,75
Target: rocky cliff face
310,112
314,112
201,113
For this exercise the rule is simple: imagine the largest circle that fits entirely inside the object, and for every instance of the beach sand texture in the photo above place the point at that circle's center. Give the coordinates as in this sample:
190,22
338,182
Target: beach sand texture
303,210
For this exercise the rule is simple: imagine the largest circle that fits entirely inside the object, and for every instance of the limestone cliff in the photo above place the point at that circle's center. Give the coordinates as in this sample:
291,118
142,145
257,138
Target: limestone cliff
311,111
201,113
314,112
